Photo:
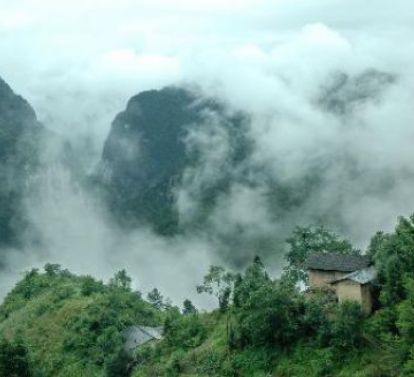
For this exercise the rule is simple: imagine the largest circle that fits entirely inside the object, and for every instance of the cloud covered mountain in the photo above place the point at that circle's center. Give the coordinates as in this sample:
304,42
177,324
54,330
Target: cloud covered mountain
20,138
193,173
182,162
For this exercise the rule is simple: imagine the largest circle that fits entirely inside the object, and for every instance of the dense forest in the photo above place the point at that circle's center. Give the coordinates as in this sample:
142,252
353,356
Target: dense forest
54,323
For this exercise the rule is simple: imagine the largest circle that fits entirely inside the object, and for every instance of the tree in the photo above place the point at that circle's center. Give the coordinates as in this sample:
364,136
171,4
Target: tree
183,331
270,315
393,254
14,359
188,307
90,286
121,280
347,327
218,282
405,313
254,278
311,239
52,269
156,299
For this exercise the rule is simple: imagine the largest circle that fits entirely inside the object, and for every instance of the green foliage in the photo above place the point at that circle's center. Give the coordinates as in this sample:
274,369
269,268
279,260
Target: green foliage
52,269
394,259
311,239
405,311
20,136
121,280
183,331
156,299
314,321
189,308
347,327
33,285
405,326
218,282
89,286
269,317
254,278
98,333
14,359
212,364
74,325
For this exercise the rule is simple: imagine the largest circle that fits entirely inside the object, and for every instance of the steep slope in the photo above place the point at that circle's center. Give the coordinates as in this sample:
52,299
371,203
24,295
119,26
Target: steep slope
181,162
20,134
151,146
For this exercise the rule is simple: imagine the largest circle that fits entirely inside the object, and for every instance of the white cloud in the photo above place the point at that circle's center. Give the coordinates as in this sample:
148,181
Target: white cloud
79,61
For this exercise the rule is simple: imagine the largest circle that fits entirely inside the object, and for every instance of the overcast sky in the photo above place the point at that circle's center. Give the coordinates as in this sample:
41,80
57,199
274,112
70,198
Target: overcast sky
93,55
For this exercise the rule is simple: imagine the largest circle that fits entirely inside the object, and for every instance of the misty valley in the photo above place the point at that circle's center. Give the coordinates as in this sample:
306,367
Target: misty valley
183,200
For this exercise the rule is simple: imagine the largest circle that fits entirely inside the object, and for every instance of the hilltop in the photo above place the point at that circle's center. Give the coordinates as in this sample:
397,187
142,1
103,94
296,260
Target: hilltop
73,325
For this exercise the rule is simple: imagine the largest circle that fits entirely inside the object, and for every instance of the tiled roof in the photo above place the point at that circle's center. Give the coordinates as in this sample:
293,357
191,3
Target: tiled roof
361,276
337,262
138,335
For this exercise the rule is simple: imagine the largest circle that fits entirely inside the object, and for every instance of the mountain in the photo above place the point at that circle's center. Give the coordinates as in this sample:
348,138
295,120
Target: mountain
344,94
179,161
151,148
20,135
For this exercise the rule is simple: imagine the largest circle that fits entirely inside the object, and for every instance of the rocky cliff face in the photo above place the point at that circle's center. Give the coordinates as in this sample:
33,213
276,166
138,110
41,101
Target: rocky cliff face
150,150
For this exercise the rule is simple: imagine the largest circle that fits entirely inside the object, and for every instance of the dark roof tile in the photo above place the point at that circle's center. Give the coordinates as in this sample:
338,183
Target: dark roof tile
337,262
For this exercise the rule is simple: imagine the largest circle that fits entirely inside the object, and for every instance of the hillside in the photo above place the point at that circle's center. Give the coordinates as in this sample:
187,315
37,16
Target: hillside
54,323
20,135
73,325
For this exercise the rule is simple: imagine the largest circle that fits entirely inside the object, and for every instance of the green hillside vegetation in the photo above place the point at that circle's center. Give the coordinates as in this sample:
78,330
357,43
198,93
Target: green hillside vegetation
71,325
268,328
20,140
54,323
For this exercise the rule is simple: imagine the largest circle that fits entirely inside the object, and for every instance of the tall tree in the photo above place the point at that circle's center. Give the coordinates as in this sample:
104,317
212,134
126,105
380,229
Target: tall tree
311,239
218,282
156,299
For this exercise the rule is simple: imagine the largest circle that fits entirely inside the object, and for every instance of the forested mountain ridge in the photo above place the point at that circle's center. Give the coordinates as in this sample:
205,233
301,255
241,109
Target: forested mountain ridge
149,150
20,135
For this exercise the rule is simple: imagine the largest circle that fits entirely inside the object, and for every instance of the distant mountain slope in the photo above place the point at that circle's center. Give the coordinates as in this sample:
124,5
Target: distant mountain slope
20,133
149,149
345,94
177,160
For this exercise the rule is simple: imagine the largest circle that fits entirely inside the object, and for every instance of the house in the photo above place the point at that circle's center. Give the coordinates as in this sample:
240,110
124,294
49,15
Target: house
348,276
136,336
355,286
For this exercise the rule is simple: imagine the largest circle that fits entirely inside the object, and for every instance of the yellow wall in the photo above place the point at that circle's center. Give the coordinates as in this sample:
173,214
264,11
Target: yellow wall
366,298
348,290
321,279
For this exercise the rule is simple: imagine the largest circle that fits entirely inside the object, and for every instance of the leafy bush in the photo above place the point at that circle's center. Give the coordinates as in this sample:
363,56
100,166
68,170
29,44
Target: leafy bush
14,359
347,327
184,331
